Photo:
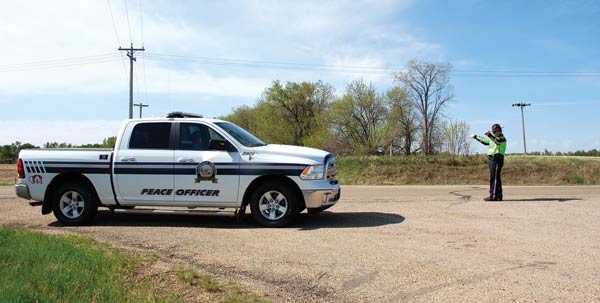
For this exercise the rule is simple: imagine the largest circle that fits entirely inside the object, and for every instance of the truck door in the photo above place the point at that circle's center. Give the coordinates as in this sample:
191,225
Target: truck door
204,176
143,164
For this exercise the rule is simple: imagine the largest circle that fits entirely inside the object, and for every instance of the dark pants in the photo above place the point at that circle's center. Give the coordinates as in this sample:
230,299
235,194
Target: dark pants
495,163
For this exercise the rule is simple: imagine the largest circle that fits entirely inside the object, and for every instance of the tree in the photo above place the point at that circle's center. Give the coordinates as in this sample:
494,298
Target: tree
10,153
245,117
455,135
109,142
264,120
358,118
300,104
429,89
401,125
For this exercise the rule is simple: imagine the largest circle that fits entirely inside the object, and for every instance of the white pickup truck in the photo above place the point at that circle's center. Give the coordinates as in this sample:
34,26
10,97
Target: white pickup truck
183,161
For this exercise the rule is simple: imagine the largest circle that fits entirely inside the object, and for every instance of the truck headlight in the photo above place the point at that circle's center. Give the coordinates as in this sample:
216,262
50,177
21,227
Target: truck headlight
313,172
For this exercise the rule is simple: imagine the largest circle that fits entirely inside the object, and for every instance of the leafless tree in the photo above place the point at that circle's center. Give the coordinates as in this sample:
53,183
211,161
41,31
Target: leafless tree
429,89
455,136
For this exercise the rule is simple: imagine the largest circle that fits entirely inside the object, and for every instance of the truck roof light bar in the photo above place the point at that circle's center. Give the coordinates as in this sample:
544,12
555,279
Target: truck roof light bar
183,115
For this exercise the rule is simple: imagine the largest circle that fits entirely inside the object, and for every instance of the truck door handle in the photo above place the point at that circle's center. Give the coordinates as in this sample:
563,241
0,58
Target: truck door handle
185,160
127,159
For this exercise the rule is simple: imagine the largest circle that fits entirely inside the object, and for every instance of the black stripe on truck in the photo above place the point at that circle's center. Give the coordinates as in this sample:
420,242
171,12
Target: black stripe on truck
77,167
174,168
192,171
83,170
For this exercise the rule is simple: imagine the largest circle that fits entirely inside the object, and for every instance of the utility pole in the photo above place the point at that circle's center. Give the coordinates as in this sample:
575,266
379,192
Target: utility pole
522,105
130,53
141,105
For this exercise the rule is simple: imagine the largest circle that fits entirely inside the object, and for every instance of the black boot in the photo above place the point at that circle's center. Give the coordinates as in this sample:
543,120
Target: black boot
490,198
499,197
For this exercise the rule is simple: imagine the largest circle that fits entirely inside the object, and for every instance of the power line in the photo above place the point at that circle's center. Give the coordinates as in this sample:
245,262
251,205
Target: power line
281,66
169,77
145,77
58,63
117,35
128,24
137,80
257,63
142,23
356,69
52,61
113,22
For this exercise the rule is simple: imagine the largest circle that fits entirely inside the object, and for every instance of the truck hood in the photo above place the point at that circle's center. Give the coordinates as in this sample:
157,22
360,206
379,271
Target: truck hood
298,154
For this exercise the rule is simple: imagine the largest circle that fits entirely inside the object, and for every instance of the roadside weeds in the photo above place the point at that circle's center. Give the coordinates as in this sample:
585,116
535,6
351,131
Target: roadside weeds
35,265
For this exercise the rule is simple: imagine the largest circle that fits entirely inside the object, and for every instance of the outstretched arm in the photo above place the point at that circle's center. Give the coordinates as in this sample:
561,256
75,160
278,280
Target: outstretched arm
498,140
482,140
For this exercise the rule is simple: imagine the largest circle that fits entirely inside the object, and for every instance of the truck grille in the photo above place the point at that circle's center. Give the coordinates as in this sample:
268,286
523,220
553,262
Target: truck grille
330,170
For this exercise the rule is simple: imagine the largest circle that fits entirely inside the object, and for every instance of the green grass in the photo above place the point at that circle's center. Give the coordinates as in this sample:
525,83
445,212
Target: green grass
5,183
36,267
444,169
224,292
209,284
236,295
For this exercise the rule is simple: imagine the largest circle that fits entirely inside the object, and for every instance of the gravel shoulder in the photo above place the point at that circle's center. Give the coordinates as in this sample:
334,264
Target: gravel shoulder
382,244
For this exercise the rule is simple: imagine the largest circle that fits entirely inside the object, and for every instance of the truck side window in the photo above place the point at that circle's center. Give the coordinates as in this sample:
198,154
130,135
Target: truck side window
193,136
214,135
150,136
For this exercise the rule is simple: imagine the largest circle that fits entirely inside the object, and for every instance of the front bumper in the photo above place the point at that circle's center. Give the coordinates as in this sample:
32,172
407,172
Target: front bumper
322,198
22,191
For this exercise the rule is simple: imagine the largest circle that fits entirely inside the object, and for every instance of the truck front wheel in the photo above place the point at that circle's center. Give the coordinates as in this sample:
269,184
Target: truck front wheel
273,205
74,204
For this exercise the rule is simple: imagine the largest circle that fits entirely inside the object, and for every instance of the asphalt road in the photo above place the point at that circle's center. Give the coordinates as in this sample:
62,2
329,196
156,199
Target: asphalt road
383,244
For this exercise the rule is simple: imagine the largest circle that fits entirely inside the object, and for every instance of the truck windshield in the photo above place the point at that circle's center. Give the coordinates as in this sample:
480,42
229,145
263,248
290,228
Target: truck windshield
240,134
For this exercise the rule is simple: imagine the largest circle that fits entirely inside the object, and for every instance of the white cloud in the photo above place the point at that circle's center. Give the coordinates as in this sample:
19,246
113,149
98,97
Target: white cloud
343,33
336,32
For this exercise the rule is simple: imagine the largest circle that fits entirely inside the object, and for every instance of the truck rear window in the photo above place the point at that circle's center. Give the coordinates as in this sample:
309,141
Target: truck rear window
150,136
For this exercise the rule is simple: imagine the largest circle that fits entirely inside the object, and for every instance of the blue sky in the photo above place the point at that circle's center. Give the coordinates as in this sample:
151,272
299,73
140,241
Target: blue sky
84,100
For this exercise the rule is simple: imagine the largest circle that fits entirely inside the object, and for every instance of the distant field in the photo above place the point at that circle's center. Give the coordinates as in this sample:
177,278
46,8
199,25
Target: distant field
7,173
439,170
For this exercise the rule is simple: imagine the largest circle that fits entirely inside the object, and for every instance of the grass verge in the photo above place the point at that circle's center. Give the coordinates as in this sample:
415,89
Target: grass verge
443,169
36,267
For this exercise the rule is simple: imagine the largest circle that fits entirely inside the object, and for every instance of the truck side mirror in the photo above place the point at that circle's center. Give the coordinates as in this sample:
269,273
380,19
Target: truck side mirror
222,145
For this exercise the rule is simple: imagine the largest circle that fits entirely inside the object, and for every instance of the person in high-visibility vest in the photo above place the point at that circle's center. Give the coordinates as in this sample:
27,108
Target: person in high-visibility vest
497,148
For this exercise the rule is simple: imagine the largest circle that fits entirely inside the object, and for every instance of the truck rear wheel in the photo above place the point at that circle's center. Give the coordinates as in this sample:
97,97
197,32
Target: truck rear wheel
74,204
273,205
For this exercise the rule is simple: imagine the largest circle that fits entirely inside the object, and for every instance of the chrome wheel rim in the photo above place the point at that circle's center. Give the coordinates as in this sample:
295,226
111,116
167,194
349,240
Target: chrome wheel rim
71,204
273,205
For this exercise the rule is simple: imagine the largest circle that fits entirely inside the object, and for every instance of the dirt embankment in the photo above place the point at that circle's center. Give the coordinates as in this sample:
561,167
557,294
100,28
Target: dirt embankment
444,170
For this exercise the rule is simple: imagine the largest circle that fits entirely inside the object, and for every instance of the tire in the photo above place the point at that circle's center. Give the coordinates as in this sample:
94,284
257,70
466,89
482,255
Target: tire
74,204
274,205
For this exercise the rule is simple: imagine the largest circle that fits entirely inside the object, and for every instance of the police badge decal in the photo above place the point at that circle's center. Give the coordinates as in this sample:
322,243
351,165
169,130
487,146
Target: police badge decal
206,171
